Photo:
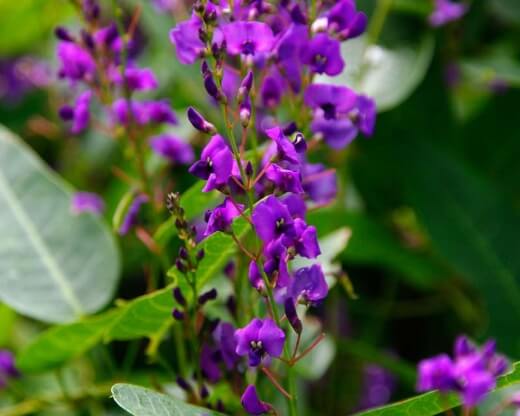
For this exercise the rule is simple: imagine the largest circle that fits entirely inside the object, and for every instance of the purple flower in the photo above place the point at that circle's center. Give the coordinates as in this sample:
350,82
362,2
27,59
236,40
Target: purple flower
471,373
285,180
221,217
258,339
271,90
108,38
330,101
185,37
319,183
305,240
378,385
224,336
336,133
131,215
251,403
7,367
446,11
272,219
322,54
76,63
209,365
309,285
248,38
284,147
142,112
79,114
275,266
215,164
136,79
344,19
172,148
87,202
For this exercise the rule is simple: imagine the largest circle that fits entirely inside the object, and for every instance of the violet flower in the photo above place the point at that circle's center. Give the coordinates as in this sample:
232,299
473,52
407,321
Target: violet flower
319,183
172,148
251,402
323,55
224,336
248,38
258,339
7,368
285,148
87,202
471,373
446,11
221,217
185,37
309,285
216,164
131,215
135,79
76,63
272,219
344,19
79,114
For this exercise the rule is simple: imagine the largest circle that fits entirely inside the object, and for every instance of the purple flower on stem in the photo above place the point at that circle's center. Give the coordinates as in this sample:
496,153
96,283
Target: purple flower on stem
471,373
185,37
319,183
306,239
446,11
285,148
323,56
215,165
172,148
209,365
275,266
131,215
225,340
248,38
79,114
87,202
309,285
76,63
330,101
7,367
258,339
272,219
285,180
221,217
252,404
345,20
136,79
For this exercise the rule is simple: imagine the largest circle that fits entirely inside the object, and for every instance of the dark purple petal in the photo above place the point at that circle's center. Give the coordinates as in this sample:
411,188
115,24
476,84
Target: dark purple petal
332,100
76,63
248,38
251,403
185,37
272,338
336,133
436,373
309,285
323,55
131,216
172,148
222,216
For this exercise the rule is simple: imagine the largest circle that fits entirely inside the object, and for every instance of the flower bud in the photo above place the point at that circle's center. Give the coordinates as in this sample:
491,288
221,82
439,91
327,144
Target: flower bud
292,316
178,296
66,113
183,253
204,393
178,315
181,266
300,145
199,122
206,297
297,15
200,254
87,39
245,86
249,169
211,87
245,112
183,384
290,129
204,67
63,34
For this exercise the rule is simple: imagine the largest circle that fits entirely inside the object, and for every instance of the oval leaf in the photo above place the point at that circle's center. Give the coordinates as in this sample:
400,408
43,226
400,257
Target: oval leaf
56,266
139,401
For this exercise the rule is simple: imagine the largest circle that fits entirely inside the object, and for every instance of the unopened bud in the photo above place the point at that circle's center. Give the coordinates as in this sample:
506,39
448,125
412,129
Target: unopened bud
297,15
181,266
206,297
299,143
200,254
178,315
63,34
178,296
199,122
183,384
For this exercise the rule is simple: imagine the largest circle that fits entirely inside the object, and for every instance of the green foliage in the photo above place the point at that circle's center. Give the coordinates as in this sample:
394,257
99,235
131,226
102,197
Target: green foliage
139,401
58,266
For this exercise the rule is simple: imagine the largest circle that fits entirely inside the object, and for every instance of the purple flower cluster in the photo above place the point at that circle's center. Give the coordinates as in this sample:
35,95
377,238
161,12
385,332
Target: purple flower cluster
257,58
472,371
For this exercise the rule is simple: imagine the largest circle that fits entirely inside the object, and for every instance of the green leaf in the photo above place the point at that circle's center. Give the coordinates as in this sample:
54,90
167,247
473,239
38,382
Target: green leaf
508,10
58,266
139,401
194,202
387,75
475,228
144,316
433,403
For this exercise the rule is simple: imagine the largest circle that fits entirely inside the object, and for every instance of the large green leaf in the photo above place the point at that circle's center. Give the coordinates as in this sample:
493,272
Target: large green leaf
55,266
145,316
387,75
139,401
475,229
433,403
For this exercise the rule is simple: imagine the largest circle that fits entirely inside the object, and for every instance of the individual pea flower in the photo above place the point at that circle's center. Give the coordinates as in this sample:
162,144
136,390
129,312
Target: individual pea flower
221,217
323,55
305,241
252,403
343,19
446,11
216,164
142,113
87,202
130,218
79,114
272,219
309,285
76,63
209,364
199,122
272,89
248,38
471,373
284,147
258,339
223,336
172,148
7,368
285,180
135,79
185,37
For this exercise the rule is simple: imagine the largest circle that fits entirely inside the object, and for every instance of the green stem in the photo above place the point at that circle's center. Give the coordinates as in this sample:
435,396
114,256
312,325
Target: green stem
378,20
